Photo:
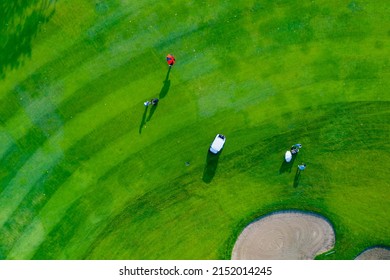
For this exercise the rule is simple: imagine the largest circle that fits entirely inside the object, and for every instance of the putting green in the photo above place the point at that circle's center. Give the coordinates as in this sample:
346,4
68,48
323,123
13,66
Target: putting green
88,172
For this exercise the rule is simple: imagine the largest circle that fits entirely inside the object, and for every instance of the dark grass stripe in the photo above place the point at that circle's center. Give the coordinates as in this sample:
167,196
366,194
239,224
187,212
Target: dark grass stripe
36,85
161,197
77,153
63,232
24,148
19,153
79,102
40,193
9,105
81,151
95,90
24,214
98,88
73,108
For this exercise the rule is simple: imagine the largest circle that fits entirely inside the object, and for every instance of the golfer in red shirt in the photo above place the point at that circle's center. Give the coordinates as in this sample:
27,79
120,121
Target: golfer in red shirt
170,60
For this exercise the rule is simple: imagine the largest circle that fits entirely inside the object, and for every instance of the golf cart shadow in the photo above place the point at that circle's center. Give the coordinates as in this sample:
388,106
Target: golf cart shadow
210,167
287,166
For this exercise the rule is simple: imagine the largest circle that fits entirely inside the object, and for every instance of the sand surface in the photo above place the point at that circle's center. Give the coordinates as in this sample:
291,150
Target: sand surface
285,236
375,254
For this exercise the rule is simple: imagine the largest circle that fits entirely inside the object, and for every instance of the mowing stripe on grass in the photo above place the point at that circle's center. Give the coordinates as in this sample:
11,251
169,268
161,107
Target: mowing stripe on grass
123,147
53,149
73,189
66,127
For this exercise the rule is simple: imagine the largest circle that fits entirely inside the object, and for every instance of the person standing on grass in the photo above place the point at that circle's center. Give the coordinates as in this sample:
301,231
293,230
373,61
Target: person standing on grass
170,60
295,148
302,166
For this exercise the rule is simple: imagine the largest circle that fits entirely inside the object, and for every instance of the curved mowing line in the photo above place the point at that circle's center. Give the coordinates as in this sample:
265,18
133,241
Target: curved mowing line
103,182
124,144
6,140
43,63
148,203
53,148
19,154
72,84
104,176
12,189
30,172
20,123
73,188
87,146
72,107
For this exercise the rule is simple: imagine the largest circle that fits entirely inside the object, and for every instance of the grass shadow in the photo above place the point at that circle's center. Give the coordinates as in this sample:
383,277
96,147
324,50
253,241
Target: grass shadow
297,178
167,84
143,120
20,22
287,166
152,111
210,167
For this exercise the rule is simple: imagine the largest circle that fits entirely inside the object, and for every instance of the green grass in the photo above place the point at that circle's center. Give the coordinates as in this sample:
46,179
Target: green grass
87,173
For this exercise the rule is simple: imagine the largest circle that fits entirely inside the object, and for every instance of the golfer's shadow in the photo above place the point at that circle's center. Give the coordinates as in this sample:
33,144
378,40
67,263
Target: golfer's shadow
166,85
152,110
143,120
287,166
163,92
210,167
297,178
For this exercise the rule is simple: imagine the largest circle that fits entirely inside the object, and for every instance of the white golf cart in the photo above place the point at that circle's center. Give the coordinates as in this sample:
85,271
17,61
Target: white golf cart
217,144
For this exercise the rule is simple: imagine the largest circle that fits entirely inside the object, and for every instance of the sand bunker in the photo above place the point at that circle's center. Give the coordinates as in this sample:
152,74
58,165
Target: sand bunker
375,254
285,236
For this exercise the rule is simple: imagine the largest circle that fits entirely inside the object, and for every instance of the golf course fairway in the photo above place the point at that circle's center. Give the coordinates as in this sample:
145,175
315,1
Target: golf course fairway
88,172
